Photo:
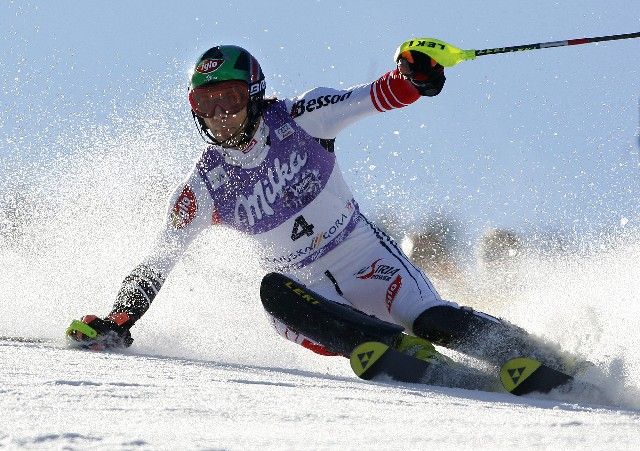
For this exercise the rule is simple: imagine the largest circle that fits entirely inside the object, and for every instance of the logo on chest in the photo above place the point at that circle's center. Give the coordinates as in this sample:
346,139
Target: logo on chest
284,132
303,188
217,177
253,207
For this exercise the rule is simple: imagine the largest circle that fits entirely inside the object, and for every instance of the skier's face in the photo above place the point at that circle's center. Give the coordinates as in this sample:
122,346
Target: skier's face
224,125
222,107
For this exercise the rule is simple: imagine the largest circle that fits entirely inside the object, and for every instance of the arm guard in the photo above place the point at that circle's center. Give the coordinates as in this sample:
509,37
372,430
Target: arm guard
138,291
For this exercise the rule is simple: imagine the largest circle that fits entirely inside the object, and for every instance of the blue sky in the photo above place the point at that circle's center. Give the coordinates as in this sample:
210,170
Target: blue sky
542,139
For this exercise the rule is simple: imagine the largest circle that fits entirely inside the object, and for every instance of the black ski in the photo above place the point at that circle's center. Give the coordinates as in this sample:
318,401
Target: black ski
523,375
338,327
375,360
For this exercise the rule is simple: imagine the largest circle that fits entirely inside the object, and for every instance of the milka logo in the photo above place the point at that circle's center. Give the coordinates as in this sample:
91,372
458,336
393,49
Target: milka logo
265,192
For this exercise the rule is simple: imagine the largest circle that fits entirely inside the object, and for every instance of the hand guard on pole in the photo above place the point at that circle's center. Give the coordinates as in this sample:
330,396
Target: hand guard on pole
422,71
99,334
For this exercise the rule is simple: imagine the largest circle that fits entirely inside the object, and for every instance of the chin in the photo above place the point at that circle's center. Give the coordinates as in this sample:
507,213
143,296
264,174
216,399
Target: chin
223,138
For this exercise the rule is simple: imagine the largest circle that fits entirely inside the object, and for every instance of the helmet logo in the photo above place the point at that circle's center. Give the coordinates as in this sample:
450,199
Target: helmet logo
209,65
257,87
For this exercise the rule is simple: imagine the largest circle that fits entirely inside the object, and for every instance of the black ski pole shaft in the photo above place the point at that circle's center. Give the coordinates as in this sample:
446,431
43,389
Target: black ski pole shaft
544,45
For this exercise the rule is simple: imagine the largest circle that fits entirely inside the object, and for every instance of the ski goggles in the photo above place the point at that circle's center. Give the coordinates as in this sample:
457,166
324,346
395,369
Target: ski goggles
230,96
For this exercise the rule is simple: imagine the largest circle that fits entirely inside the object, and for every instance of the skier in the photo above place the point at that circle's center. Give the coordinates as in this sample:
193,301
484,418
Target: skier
270,172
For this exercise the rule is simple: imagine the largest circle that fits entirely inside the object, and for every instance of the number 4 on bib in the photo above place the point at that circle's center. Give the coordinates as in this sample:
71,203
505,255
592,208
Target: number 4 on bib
301,228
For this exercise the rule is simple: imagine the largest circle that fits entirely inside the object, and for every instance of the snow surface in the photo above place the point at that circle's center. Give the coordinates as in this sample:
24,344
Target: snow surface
53,397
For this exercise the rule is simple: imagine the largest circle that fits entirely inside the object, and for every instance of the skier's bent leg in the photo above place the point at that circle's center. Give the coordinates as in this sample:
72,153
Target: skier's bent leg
483,336
331,328
337,327
407,344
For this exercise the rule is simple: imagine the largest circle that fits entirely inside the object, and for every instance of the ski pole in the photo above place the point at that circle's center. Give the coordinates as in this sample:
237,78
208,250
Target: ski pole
449,55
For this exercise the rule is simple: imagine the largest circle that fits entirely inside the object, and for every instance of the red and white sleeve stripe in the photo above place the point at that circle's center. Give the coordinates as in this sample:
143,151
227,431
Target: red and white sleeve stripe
391,91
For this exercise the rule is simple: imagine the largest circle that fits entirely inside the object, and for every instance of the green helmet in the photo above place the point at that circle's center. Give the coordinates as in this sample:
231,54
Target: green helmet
225,63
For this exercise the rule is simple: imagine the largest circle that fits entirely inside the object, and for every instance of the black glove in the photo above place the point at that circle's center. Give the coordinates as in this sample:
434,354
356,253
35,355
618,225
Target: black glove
108,333
422,71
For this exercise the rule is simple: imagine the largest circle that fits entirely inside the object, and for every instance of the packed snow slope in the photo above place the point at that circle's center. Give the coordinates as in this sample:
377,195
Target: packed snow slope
54,398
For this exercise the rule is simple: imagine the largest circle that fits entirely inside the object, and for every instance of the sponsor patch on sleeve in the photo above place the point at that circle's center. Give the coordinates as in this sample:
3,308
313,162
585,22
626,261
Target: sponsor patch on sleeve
301,106
184,211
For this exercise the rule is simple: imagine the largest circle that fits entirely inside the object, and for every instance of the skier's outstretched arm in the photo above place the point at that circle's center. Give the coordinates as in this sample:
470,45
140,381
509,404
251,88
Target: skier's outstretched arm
324,112
188,213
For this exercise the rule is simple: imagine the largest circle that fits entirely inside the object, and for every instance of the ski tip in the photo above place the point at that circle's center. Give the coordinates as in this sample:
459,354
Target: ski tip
516,371
364,356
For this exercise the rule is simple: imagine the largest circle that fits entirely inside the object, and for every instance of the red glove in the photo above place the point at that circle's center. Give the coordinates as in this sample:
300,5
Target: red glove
108,333
422,71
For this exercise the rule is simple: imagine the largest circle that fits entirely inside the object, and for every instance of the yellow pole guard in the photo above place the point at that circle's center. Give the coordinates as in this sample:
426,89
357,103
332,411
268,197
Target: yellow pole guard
444,53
